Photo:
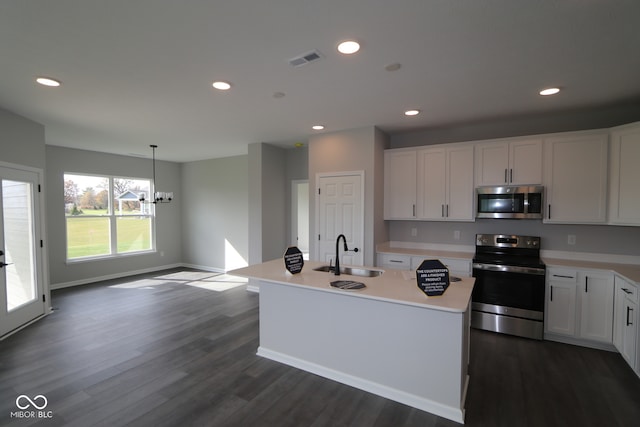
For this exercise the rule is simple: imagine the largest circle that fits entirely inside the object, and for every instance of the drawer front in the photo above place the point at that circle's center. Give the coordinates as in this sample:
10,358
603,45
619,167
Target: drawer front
455,266
562,275
631,291
401,262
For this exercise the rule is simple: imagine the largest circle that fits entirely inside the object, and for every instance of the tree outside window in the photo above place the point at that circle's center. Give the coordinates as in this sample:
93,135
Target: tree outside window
104,216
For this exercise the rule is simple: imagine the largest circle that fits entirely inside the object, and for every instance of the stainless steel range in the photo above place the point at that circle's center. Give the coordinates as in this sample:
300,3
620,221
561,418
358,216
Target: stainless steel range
508,296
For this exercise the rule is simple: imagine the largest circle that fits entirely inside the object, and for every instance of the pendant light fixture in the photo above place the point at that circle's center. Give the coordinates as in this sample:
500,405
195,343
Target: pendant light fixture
158,196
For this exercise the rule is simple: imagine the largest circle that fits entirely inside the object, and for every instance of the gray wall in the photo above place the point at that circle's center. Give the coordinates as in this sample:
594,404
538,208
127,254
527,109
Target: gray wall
274,209
600,239
215,213
603,117
21,141
297,168
168,216
352,150
269,193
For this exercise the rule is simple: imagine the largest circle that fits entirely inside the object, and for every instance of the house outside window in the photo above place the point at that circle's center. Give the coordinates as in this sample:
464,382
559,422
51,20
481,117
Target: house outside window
104,217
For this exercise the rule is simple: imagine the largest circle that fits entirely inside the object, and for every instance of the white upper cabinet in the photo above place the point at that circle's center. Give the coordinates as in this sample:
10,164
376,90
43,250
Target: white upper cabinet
400,184
576,178
624,182
445,183
509,162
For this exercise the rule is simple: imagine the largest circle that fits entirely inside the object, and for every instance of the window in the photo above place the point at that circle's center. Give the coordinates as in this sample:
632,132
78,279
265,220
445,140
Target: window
104,216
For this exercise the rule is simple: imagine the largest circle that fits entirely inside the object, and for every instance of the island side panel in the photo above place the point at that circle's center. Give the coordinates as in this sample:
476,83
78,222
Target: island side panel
417,356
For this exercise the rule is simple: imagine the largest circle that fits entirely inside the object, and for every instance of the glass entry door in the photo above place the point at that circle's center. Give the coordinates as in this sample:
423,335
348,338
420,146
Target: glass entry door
21,287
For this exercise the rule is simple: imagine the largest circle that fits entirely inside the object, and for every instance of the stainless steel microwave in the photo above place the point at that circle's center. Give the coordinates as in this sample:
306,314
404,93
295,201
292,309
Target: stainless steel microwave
516,202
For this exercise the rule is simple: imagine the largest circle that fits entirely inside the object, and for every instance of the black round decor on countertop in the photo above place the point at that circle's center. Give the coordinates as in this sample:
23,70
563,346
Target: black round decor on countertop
293,260
432,277
348,285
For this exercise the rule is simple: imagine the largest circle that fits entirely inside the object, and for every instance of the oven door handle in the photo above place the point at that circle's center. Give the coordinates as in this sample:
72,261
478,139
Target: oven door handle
510,269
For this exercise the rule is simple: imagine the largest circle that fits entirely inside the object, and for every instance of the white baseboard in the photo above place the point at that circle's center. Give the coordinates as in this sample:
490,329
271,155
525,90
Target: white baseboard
203,268
579,342
112,276
427,405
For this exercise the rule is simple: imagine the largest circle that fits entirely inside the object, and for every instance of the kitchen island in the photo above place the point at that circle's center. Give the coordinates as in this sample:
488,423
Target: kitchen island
389,338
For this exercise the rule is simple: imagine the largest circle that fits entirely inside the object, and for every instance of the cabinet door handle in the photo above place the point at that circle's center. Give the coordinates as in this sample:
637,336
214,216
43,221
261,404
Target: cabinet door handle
511,175
414,210
549,212
563,276
551,296
505,177
586,284
442,211
395,260
626,291
629,310
447,211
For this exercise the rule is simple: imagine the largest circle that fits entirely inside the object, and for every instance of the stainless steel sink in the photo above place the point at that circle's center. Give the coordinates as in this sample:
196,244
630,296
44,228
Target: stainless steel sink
353,271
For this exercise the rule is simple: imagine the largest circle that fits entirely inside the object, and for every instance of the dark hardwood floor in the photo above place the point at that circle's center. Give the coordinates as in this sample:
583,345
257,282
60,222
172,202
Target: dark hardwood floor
163,350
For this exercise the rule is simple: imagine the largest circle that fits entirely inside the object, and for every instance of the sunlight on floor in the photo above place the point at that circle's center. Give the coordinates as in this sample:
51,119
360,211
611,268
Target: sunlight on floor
217,282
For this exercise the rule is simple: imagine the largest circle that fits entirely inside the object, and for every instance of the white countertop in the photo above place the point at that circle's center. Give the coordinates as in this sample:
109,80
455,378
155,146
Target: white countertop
393,285
629,271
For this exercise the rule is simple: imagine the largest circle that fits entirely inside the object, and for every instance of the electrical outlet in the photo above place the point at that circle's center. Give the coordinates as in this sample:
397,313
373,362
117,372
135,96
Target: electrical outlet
571,239
456,234
414,232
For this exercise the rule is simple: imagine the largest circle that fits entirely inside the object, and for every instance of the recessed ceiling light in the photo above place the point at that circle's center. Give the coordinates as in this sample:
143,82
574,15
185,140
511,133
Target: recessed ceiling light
317,127
549,91
46,81
348,47
220,85
412,112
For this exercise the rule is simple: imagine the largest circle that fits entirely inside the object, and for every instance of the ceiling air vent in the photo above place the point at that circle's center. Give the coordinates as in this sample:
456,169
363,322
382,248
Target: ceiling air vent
298,61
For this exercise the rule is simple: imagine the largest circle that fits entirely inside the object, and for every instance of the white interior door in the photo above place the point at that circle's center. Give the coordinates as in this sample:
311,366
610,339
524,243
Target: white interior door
21,287
340,201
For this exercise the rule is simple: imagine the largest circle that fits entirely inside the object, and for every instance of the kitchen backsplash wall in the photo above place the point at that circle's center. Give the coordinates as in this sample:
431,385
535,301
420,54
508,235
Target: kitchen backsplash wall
601,239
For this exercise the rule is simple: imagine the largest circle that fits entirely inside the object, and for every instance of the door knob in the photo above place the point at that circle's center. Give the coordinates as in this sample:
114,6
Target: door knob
4,264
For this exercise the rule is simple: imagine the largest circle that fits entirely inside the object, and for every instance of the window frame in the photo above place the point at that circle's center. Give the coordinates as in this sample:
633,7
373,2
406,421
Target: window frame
113,221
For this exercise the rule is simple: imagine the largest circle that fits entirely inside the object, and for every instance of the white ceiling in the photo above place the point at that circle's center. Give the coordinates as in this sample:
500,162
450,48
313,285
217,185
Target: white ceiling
139,72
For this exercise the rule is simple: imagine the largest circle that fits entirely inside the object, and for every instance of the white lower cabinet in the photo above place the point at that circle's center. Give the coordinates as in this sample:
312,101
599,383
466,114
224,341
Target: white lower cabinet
456,266
579,305
596,298
397,261
626,322
561,302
